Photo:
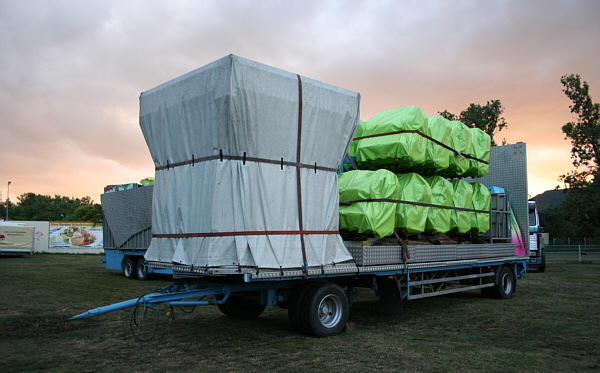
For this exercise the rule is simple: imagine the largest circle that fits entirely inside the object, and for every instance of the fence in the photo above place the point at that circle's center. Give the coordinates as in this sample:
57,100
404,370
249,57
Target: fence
573,241
572,253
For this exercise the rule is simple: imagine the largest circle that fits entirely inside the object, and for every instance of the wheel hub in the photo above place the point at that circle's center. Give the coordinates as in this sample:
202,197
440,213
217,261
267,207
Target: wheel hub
330,311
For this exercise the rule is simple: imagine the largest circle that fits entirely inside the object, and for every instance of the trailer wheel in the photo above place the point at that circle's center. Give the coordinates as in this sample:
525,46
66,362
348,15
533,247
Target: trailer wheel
505,284
129,268
295,313
240,307
325,310
141,270
487,292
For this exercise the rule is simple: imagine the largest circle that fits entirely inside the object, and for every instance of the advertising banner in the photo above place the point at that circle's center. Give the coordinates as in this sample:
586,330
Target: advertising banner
75,234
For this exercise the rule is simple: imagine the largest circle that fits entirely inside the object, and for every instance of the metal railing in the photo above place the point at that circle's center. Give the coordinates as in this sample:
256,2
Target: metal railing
572,253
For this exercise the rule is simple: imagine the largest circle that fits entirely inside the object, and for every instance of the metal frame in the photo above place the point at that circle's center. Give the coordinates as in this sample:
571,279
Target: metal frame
416,283
429,284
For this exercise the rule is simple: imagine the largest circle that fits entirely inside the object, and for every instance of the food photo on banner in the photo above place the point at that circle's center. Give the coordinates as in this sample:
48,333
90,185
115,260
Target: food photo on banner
69,234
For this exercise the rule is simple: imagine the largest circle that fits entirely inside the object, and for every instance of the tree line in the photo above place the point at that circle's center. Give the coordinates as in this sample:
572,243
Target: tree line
37,207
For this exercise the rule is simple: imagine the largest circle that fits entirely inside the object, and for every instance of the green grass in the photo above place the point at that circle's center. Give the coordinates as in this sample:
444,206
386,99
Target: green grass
551,324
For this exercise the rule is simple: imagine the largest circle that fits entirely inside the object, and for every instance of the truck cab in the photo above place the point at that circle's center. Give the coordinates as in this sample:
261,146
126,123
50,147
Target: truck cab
537,254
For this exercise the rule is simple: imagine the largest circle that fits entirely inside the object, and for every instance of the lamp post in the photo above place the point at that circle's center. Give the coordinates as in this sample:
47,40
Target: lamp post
7,200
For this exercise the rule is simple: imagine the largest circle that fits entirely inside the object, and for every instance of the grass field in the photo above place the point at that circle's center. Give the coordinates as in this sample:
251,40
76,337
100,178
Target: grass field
551,324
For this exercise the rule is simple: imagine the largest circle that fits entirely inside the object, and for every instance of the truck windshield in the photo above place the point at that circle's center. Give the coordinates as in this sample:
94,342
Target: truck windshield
532,218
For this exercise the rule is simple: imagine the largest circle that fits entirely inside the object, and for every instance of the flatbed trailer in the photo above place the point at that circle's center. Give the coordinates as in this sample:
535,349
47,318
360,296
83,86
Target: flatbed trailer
246,195
318,299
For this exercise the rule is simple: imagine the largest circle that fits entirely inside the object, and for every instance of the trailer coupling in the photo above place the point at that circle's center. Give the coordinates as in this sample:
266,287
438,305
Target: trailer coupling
172,295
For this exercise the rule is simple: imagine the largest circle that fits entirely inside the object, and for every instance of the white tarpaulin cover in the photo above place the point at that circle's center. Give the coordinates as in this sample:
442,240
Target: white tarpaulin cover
236,145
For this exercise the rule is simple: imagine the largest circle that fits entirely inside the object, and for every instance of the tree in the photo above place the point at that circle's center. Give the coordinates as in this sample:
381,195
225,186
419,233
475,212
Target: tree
579,214
88,213
487,118
37,207
584,133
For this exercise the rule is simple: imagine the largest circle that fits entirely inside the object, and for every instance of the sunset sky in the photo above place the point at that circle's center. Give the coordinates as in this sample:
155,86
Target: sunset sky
71,72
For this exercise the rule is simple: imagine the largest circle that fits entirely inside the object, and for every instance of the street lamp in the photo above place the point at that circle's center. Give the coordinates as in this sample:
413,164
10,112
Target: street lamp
7,200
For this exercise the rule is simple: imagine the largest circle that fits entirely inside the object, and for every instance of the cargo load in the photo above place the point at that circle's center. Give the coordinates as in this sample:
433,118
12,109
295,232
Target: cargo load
460,141
480,220
392,140
246,159
415,194
405,140
462,201
438,219
480,153
367,215
438,151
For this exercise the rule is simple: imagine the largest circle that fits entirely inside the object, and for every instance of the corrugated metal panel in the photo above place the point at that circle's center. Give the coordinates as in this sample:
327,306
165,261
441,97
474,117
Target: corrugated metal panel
128,218
379,255
508,170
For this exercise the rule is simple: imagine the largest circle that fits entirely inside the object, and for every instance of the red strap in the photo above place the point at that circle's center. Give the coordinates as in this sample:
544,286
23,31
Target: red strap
246,233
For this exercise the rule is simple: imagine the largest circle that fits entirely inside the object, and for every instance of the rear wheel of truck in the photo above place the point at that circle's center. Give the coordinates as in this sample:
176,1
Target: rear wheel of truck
505,284
129,268
324,310
240,307
141,270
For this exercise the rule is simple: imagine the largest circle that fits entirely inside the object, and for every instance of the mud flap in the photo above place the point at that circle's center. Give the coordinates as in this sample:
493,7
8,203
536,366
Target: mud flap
390,295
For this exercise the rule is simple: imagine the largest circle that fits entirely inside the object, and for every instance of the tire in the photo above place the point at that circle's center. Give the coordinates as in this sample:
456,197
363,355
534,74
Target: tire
295,313
487,292
542,266
324,310
141,270
129,268
505,283
240,307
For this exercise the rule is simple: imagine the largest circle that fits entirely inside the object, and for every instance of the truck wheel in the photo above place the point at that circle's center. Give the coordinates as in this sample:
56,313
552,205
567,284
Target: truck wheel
505,283
325,310
240,307
487,292
295,313
129,268
542,266
141,270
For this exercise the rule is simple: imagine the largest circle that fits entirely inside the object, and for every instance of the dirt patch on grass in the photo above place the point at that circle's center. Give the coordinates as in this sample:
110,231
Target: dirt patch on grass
43,327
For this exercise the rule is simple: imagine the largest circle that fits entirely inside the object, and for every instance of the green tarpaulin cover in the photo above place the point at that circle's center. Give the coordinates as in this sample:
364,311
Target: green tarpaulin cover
462,198
378,145
423,148
480,222
461,142
368,217
438,157
438,220
410,218
354,144
397,152
480,149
